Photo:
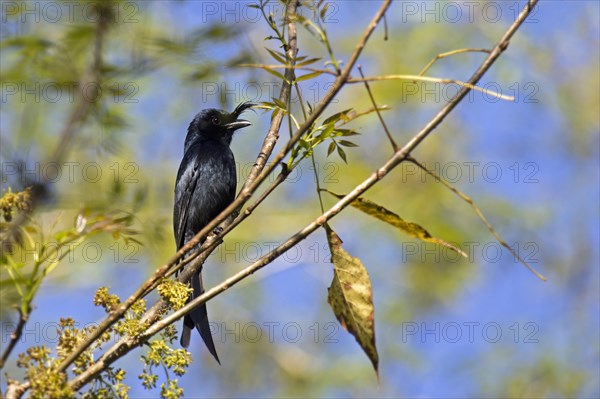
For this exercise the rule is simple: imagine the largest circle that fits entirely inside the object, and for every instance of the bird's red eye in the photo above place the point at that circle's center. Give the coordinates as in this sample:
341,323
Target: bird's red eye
216,121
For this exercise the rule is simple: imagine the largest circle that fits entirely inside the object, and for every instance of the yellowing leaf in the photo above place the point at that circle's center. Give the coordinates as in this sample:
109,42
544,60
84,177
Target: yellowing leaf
351,298
308,76
389,217
276,55
274,73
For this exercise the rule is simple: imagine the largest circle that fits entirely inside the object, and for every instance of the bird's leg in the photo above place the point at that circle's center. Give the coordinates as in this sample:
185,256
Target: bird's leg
218,230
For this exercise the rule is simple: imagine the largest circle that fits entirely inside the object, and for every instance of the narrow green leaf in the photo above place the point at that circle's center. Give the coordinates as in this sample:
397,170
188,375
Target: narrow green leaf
331,148
324,11
351,297
347,143
304,144
276,56
274,73
307,62
389,217
336,117
279,103
266,105
308,76
345,132
326,133
342,153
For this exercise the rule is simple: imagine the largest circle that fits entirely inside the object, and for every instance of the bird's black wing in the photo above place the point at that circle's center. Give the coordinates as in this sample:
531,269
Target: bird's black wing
187,178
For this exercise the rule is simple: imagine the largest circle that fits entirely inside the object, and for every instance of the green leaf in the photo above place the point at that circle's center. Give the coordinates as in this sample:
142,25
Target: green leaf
307,62
345,132
278,56
342,154
389,217
351,297
326,133
336,117
346,143
266,105
331,148
308,76
279,103
324,11
274,73
304,144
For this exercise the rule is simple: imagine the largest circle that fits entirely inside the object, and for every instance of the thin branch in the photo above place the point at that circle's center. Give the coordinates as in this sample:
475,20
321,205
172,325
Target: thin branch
81,109
395,160
261,169
14,337
385,128
498,49
284,95
450,53
414,78
480,214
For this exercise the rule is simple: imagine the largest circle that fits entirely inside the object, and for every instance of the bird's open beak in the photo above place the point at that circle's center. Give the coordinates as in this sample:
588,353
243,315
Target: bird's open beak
240,123
235,125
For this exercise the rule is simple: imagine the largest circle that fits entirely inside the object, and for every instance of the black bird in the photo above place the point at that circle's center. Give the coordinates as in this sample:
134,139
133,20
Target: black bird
205,186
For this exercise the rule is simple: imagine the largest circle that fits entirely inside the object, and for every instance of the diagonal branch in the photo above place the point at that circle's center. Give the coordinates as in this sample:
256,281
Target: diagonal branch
398,157
15,336
385,128
480,214
253,181
249,188
259,173
401,155
81,110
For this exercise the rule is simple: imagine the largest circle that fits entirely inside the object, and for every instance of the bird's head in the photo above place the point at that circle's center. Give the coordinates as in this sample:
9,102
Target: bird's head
216,125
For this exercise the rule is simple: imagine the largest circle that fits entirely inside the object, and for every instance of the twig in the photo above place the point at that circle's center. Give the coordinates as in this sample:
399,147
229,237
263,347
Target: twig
449,53
81,110
400,156
480,214
385,128
414,78
14,337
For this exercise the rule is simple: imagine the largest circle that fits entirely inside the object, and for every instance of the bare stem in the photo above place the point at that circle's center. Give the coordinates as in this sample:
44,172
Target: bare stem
14,337
385,128
480,214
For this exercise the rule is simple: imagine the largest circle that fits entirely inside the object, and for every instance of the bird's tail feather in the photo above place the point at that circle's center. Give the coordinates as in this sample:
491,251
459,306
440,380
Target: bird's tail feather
198,318
188,326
